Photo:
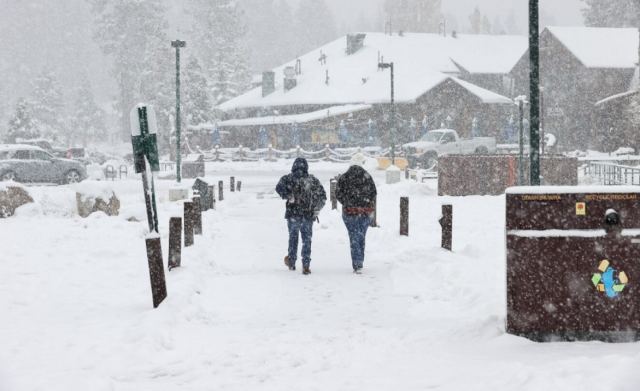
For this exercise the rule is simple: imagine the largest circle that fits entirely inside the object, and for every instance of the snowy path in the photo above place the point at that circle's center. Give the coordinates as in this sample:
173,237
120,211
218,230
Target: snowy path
75,302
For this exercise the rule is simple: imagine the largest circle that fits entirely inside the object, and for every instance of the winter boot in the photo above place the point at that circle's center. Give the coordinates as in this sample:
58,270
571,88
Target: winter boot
306,270
288,264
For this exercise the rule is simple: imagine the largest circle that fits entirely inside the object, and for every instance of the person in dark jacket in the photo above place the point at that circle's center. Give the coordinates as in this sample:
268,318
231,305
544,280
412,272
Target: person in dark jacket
305,198
357,193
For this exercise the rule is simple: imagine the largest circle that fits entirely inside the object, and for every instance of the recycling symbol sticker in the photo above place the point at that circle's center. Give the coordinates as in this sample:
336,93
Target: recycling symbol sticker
609,280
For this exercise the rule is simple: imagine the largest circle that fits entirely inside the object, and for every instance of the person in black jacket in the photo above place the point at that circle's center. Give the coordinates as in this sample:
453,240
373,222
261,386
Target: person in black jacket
305,198
357,193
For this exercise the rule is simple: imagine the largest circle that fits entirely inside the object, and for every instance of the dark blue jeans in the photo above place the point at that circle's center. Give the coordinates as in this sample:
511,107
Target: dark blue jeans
357,226
303,226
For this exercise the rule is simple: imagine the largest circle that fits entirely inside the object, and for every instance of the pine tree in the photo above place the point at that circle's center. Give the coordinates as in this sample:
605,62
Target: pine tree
87,122
476,21
220,43
133,33
48,105
612,13
22,124
197,104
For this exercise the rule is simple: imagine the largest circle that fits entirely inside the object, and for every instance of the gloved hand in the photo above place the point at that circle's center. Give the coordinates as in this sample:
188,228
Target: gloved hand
316,214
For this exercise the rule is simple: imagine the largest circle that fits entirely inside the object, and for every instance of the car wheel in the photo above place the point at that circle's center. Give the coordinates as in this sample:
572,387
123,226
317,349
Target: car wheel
8,176
482,151
72,177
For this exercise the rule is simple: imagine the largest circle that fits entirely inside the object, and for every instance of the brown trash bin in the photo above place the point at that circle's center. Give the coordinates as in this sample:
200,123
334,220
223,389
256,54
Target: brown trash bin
573,270
193,166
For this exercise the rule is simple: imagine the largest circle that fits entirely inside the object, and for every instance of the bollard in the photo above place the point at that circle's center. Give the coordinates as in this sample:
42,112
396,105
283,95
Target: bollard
188,223
239,186
333,186
197,215
175,242
374,218
156,271
220,191
406,173
404,216
446,222
232,184
212,199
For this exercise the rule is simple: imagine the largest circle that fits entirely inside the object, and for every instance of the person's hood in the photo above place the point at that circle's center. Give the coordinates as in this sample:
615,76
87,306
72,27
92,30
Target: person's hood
356,171
300,167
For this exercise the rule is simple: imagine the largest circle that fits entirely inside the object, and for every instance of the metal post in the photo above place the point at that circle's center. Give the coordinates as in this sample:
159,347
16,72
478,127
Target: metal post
404,216
393,120
188,224
446,222
542,129
175,242
333,184
220,191
178,44
534,90
521,142
156,271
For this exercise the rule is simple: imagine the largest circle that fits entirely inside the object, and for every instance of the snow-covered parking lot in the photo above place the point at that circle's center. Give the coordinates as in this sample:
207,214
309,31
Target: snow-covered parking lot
76,305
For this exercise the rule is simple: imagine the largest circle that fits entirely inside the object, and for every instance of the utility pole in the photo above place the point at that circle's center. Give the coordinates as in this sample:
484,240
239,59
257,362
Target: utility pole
178,44
542,125
384,65
534,90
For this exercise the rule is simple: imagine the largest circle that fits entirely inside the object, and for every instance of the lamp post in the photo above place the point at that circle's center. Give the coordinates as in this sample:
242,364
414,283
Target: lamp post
178,44
521,100
384,65
534,90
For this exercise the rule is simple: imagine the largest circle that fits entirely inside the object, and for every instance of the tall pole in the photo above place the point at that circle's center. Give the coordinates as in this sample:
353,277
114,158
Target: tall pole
534,90
542,126
521,142
178,44
393,119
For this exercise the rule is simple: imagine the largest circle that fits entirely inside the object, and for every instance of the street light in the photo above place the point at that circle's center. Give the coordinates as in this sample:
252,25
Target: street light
385,65
521,101
178,44
534,90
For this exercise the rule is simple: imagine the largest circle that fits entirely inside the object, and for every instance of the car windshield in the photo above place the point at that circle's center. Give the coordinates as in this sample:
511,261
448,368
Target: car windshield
433,137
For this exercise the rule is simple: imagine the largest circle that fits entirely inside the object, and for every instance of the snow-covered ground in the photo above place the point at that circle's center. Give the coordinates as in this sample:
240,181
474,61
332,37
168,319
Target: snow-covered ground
76,305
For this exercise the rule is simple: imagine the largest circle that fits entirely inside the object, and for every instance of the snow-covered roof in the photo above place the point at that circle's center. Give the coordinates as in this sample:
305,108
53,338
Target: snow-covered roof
600,47
19,147
616,97
421,62
484,95
296,118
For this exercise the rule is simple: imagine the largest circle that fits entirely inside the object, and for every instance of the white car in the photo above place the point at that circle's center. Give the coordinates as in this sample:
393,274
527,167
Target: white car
446,142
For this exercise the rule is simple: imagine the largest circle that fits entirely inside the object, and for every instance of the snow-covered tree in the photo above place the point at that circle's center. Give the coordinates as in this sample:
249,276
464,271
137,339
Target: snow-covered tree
197,104
612,13
220,43
475,19
133,34
87,119
22,124
486,25
48,105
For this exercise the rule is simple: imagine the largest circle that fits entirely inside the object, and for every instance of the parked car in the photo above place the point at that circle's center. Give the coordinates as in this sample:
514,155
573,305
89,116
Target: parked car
444,142
27,163
44,144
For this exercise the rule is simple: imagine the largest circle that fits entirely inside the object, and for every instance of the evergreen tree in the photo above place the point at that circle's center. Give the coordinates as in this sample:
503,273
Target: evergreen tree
315,25
476,21
48,105
133,33
263,34
87,122
486,25
197,104
220,42
612,13
22,124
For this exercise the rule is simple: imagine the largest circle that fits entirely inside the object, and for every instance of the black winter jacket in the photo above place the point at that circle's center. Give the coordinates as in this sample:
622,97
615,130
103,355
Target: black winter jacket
288,187
356,191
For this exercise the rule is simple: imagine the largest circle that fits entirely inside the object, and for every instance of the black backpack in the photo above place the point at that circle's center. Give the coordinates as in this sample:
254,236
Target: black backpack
307,195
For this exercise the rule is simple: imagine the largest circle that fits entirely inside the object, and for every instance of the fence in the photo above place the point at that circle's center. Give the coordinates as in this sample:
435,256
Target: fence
613,174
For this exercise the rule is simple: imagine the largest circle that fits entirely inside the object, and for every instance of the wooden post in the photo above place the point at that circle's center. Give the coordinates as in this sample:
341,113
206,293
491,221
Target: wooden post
239,185
212,199
404,216
220,191
175,242
406,173
156,271
333,185
446,222
188,224
197,216
232,184
374,220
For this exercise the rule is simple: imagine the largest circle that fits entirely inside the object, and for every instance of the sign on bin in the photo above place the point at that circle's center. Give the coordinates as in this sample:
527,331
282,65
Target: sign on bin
573,263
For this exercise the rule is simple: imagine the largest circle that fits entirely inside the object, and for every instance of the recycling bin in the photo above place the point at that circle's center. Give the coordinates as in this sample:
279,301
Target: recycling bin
573,263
